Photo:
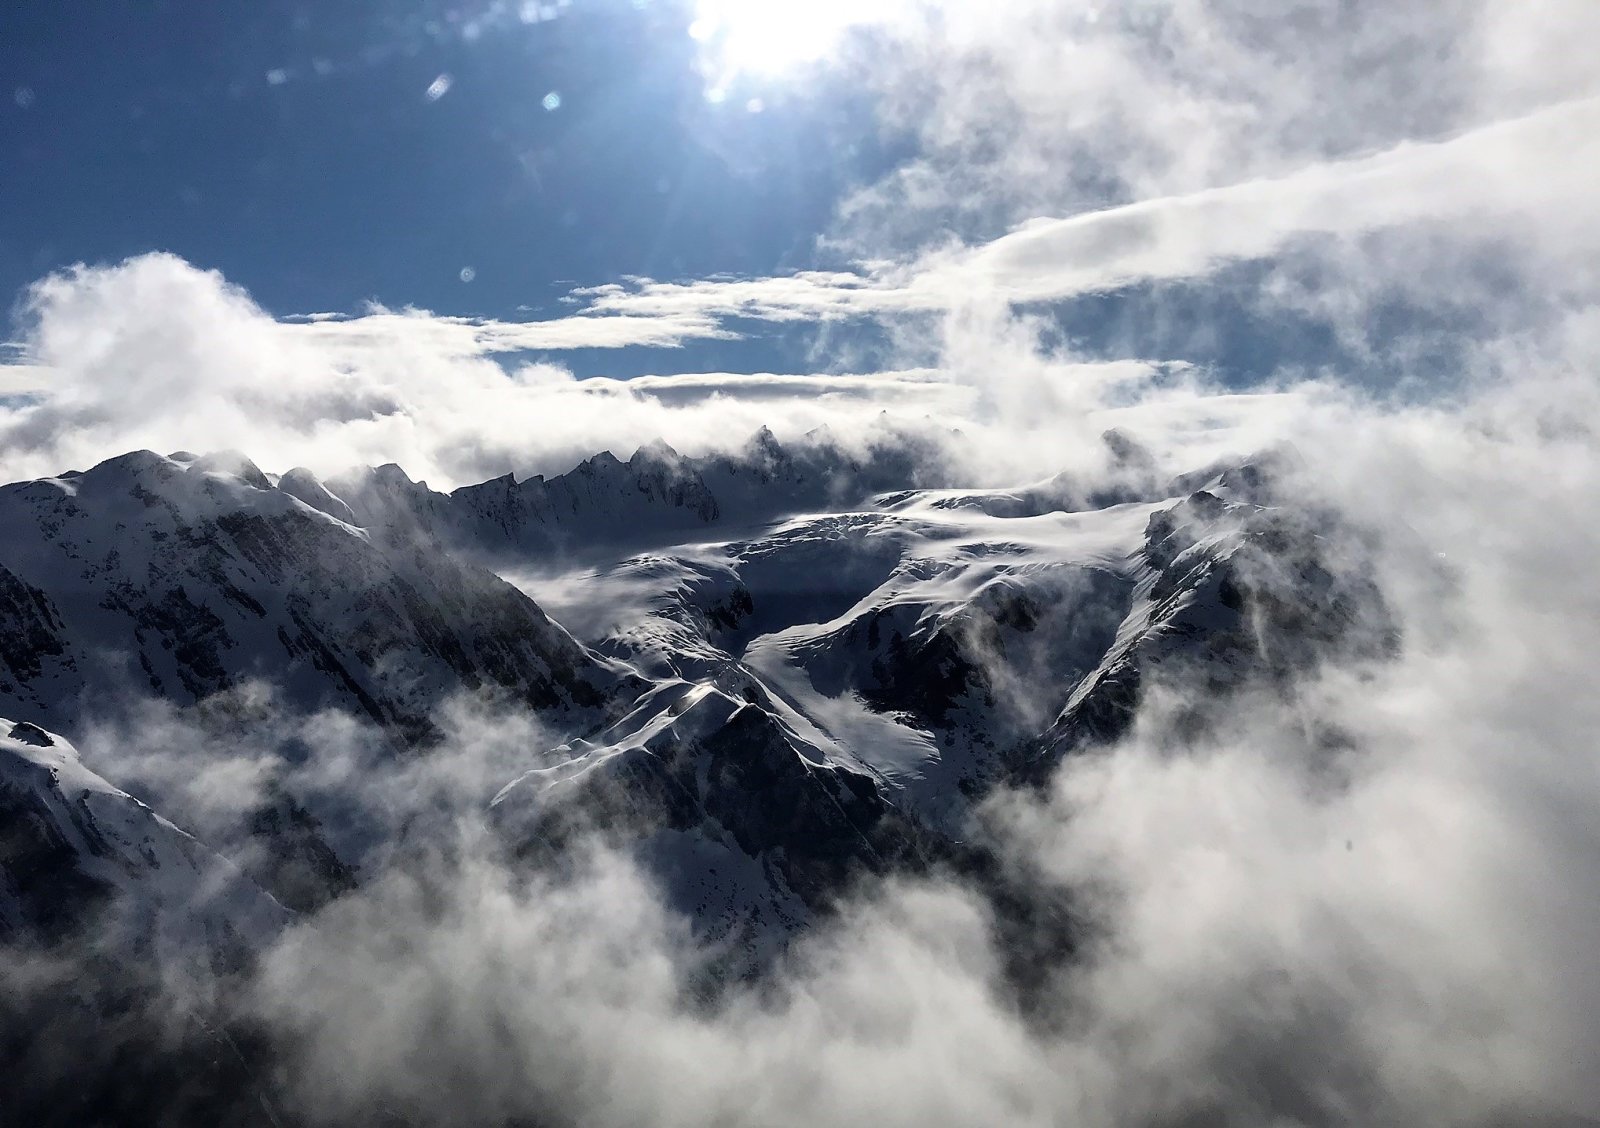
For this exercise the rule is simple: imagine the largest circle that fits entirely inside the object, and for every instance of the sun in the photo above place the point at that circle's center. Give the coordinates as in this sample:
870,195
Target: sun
770,37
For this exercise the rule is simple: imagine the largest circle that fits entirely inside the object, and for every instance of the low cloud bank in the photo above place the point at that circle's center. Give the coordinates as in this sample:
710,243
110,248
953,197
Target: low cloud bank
1366,901
156,353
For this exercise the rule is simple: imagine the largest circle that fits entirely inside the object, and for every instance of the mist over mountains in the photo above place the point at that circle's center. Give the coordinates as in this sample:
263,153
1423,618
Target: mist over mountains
743,756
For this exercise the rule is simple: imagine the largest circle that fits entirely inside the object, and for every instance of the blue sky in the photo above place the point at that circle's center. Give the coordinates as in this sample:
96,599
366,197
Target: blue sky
324,155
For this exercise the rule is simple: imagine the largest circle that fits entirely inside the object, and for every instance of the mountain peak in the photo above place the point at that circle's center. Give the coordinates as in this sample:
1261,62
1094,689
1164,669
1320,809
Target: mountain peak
1127,451
391,474
134,463
234,464
603,462
655,452
303,484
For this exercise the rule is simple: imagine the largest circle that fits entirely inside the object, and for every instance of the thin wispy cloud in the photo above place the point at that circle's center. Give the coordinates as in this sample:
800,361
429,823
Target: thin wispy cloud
466,336
1465,178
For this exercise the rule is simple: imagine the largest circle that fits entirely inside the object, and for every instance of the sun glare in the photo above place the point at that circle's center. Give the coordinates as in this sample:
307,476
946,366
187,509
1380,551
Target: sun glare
768,37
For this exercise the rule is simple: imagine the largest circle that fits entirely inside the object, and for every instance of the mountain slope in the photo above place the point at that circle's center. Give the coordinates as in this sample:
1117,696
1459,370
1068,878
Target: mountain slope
74,844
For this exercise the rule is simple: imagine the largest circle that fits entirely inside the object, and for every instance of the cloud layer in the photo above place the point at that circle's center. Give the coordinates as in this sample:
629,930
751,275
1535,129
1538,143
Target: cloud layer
156,353
1362,900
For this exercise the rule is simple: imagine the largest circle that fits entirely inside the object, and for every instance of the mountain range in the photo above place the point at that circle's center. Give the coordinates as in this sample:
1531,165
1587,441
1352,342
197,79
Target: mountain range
769,671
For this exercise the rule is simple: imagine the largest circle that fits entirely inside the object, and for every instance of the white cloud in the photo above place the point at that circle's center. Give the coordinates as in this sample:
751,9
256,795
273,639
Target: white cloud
155,353
23,379
1039,107
381,328
802,296
1536,168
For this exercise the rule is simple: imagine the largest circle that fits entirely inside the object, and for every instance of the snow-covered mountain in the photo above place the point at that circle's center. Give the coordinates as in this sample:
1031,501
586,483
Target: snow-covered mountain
919,650
1233,590
181,577
657,496
768,673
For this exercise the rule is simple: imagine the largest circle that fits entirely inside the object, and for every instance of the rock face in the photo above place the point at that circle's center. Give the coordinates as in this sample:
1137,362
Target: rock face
733,808
33,642
114,909
182,579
